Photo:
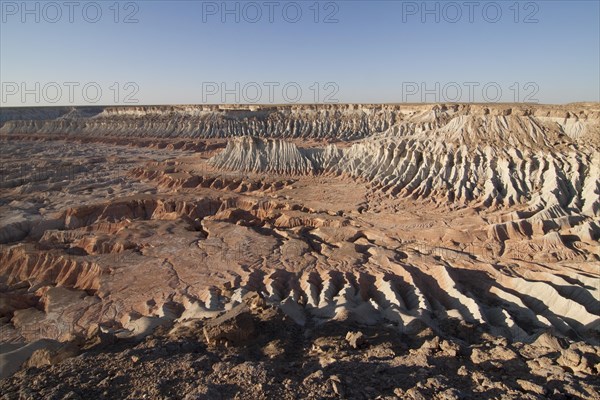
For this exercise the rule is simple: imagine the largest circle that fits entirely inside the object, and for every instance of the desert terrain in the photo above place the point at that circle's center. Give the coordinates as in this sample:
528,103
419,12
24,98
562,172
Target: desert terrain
412,251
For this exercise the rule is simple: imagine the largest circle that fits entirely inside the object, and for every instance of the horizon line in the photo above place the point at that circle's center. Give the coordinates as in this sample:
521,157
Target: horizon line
271,105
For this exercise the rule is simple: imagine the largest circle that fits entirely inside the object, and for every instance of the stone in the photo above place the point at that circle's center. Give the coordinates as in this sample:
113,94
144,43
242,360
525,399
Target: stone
574,360
451,349
550,342
530,386
52,356
318,374
99,336
336,385
569,358
432,344
356,339
480,355
235,327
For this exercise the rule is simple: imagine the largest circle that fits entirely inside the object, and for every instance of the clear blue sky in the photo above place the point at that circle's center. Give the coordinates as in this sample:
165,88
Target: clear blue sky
377,51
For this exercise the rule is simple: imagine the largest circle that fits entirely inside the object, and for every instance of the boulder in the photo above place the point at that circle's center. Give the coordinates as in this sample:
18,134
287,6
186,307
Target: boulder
356,339
52,356
235,327
551,342
574,360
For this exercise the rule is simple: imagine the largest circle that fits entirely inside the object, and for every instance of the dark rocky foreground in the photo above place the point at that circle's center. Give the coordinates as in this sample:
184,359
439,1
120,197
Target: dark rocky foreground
254,351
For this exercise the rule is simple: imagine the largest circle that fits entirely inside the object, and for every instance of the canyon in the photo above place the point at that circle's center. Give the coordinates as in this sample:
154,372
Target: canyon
441,231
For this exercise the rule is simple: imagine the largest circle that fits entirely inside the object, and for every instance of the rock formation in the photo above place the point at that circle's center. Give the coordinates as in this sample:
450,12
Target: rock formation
463,224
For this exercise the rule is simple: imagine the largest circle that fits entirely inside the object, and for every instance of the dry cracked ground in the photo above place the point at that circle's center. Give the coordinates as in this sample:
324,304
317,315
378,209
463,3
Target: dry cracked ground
338,251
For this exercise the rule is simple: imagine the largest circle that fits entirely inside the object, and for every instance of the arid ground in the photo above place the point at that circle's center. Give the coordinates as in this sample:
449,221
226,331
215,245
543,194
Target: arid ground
335,251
